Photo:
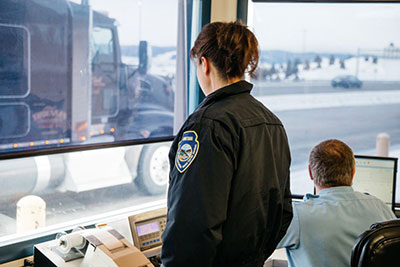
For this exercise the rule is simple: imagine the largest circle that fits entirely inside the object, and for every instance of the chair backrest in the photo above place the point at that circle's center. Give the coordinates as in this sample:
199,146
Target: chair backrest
379,246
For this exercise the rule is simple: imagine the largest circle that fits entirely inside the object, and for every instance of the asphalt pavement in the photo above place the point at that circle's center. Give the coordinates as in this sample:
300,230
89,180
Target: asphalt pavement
314,112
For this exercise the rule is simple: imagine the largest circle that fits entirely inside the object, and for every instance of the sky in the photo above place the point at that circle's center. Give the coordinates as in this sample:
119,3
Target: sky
158,23
322,27
296,27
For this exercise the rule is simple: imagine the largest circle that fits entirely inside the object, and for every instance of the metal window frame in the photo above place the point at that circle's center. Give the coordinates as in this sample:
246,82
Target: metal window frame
195,94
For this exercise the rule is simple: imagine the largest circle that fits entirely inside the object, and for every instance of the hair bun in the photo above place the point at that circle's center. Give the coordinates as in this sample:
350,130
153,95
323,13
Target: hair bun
231,47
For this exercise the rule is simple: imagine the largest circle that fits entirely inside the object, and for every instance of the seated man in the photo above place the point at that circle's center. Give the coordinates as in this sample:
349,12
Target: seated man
325,226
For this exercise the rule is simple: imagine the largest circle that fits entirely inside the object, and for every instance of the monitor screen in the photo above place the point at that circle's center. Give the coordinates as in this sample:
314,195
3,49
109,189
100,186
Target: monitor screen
376,176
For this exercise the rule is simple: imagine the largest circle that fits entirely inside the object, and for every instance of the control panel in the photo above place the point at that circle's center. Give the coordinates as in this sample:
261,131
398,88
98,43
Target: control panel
147,229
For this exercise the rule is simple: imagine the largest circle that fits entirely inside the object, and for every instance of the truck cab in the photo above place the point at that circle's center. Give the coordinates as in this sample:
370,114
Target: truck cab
48,70
63,83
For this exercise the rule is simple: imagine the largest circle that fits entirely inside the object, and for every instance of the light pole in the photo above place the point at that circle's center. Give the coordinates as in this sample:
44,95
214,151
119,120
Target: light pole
140,19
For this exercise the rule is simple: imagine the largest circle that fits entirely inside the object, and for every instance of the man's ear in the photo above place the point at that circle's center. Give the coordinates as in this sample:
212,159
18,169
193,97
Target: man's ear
310,173
353,172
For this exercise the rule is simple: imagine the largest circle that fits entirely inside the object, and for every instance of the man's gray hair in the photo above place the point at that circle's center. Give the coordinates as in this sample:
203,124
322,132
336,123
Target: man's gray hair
332,163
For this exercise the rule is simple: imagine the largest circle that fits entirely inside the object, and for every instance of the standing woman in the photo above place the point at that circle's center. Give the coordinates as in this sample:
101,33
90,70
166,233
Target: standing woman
228,200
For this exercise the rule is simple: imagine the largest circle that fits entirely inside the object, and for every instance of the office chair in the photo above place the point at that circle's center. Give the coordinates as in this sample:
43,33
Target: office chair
379,246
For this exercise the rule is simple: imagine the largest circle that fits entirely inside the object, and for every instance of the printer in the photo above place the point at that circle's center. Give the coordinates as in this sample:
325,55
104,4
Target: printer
97,247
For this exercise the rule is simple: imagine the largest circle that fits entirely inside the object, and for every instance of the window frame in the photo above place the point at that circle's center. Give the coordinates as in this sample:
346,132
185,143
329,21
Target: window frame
21,246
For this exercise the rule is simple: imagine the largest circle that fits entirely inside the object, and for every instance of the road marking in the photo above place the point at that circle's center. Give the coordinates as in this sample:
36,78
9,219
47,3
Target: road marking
329,100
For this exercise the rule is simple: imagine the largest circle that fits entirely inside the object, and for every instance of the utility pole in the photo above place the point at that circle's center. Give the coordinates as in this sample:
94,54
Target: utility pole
140,19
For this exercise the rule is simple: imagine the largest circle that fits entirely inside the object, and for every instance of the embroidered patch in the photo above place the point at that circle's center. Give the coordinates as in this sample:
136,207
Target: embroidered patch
187,150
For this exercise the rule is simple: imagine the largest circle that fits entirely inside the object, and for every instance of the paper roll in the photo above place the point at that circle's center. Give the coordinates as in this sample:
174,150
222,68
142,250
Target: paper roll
74,240
31,214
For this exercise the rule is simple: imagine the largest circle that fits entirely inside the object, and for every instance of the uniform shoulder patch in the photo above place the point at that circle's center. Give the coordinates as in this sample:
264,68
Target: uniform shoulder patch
187,150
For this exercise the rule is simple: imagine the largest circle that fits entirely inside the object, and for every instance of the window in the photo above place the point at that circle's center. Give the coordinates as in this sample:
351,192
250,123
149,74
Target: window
14,63
14,120
329,70
100,74
87,74
103,46
105,87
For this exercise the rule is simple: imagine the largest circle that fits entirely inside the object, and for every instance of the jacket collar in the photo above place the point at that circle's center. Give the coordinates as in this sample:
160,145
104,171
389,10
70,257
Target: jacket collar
231,89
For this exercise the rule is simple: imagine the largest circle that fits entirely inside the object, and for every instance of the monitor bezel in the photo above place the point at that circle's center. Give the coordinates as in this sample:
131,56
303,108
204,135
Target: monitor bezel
395,160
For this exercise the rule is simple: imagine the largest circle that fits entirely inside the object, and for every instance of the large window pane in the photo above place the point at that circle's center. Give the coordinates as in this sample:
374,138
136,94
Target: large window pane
74,74
329,71
87,71
79,185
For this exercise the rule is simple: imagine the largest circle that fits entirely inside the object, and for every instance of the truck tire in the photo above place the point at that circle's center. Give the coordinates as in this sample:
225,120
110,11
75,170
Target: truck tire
153,169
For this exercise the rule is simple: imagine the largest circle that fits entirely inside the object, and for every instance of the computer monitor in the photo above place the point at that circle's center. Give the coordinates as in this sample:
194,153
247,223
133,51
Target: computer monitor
376,176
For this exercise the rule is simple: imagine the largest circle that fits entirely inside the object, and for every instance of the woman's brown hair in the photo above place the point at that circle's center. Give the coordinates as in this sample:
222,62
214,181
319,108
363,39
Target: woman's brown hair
230,46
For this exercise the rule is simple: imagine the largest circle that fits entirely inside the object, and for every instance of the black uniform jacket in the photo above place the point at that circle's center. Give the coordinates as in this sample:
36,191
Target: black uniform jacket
229,201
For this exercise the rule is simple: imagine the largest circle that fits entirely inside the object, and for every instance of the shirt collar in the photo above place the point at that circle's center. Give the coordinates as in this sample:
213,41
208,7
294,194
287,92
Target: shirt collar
231,89
336,189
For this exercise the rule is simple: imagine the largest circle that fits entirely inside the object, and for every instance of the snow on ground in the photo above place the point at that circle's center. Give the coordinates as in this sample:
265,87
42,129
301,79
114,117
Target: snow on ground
163,64
384,70
134,61
329,100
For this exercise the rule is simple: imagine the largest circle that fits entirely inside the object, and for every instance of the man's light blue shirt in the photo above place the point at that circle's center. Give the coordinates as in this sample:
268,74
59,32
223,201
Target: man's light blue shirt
325,227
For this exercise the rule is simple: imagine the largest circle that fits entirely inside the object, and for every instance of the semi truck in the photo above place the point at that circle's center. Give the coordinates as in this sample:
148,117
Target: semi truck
63,83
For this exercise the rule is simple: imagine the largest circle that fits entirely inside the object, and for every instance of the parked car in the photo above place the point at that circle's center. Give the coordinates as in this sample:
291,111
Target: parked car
346,81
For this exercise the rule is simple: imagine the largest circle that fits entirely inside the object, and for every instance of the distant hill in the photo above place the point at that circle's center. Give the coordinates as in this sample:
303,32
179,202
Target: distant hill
133,50
280,56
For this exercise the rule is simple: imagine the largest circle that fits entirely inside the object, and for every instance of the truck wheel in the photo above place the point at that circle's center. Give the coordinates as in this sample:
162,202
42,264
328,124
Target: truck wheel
153,169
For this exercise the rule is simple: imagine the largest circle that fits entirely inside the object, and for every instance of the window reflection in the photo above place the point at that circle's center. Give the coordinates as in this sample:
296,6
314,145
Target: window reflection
86,73
75,74
79,185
